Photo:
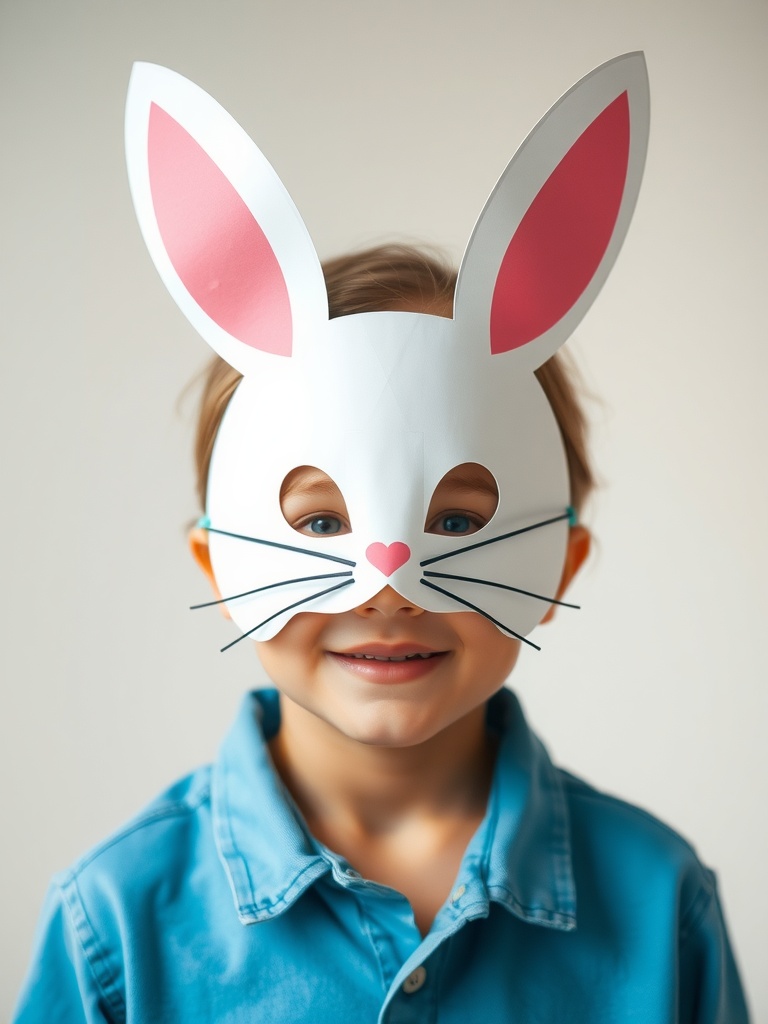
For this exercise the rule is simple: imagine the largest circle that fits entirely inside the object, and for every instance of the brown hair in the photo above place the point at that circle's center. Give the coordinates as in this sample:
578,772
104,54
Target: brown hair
404,277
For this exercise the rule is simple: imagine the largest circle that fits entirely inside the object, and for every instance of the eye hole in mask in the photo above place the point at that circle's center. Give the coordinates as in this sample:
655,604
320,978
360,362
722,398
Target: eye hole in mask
464,501
312,503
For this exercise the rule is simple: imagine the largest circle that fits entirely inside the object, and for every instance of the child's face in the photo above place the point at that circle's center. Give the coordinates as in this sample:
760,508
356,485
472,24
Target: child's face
387,672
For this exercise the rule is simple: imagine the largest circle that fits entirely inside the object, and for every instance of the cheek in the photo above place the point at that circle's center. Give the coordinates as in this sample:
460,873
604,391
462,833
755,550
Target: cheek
496,654
502,656
272,661
293,651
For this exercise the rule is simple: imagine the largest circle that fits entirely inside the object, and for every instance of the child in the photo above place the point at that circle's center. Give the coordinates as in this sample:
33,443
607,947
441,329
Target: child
382,837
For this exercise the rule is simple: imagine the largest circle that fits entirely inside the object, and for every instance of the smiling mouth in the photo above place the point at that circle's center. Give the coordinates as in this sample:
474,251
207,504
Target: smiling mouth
378,663
402,657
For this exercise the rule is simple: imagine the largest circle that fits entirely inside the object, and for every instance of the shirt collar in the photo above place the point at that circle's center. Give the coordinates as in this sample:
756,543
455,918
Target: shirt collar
526,832
268,854
520,854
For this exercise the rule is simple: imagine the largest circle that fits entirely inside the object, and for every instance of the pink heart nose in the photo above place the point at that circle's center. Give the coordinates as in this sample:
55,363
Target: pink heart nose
387,558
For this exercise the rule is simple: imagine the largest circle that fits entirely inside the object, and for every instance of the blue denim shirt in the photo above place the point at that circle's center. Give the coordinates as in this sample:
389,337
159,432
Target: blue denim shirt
217,905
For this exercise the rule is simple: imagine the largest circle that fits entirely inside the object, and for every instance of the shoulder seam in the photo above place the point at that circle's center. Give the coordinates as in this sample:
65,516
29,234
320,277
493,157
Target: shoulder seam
176,809
578,788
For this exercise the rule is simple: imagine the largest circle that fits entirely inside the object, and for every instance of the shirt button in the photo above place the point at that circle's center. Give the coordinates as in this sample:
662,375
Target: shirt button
414,981
458,893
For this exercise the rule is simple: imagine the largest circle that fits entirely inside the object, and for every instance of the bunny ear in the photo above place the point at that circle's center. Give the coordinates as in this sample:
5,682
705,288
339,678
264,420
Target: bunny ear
553,226
223,232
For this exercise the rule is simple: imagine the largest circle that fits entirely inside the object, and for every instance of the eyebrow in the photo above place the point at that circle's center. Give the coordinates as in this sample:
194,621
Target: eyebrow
318,484
310,484
471,482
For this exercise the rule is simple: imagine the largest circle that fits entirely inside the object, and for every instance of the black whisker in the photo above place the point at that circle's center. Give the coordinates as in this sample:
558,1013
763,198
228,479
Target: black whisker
304,600
284,547
493,540
474,608
270,586
501,586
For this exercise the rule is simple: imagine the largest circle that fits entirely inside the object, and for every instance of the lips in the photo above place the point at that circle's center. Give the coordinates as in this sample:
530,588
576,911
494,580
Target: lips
390,652
401,657
389,663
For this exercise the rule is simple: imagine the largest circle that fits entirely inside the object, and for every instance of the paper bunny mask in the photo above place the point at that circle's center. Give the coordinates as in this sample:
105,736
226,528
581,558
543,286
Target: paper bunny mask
386,403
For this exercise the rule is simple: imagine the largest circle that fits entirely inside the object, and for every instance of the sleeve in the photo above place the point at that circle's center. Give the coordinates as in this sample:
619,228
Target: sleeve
710,988
61,984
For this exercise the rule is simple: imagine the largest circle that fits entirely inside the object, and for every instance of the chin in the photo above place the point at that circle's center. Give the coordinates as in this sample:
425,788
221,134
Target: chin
389,726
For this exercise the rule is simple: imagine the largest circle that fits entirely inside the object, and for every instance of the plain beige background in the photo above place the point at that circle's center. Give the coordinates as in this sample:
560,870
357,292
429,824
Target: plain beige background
382,119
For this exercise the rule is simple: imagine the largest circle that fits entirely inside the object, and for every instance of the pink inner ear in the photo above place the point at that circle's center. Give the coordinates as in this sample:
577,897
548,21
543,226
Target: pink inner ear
564,234
213,241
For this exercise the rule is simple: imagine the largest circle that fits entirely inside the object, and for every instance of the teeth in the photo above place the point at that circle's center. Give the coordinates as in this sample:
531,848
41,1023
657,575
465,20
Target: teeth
378,657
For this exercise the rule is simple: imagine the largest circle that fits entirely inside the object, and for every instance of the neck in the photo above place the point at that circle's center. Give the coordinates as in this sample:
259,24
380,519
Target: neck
343,785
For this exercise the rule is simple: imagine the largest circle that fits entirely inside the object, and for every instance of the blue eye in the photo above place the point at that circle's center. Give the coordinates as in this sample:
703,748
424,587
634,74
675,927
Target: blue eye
456,524
324,525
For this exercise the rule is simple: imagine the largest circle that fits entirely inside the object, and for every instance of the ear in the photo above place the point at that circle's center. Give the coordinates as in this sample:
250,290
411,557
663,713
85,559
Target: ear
201,552
553,226
577,552
223,232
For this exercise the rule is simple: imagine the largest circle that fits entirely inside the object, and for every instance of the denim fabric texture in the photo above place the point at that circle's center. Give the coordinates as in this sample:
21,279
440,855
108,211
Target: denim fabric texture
216,904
